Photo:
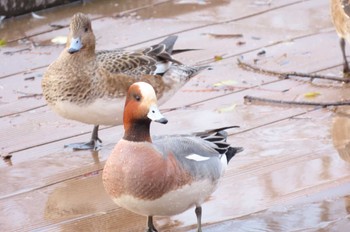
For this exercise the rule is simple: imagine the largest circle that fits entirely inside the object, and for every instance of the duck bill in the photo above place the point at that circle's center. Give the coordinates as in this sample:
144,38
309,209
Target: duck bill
75,45
155,115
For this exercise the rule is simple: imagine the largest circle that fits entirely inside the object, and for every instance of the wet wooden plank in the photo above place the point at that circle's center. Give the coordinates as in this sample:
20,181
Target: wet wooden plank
45,126
286,56
328,214
21,93
260,166
214,47
289,157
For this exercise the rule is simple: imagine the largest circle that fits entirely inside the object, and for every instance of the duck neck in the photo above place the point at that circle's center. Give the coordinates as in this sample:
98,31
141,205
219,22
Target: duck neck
83,56
137,131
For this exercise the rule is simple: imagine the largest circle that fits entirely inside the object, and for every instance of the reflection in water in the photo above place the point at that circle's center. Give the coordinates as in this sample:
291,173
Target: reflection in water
341,132
95,157
83,205
83,196
321,216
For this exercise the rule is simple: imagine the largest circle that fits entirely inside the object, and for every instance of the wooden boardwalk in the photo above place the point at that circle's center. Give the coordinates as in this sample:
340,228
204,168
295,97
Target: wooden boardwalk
294,173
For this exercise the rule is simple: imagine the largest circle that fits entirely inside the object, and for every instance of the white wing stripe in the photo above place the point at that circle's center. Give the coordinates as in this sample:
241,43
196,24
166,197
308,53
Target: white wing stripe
197,157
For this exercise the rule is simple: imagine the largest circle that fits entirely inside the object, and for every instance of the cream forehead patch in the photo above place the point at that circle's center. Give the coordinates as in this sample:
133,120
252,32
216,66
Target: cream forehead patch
146,90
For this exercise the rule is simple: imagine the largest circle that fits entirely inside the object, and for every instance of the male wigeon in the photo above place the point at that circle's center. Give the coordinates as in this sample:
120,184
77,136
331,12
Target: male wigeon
340,11
90,86
165,175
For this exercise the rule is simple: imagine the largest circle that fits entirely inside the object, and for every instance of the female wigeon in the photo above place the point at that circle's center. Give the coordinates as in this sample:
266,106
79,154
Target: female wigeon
340,11
90,87
166,175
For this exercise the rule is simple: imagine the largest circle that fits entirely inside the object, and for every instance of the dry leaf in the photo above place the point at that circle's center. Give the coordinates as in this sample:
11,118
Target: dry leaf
227,109
217,58
59,40
224,36
36,16
240,43
311,94
6,156
225,83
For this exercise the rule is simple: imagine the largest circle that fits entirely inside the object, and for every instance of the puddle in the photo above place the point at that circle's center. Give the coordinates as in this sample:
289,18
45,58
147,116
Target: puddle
321,216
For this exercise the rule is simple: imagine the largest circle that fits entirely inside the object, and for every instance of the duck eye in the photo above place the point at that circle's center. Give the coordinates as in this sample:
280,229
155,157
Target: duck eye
86,29
137,97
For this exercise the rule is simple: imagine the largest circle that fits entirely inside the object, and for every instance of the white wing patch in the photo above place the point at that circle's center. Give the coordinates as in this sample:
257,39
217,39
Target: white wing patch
197,157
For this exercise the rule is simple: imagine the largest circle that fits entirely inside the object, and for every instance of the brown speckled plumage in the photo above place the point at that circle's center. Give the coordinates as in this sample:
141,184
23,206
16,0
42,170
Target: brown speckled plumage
90,86
85,76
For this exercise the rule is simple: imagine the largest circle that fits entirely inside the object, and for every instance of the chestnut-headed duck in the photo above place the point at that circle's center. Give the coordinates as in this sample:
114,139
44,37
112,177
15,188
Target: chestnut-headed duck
90,86
163,175
340,11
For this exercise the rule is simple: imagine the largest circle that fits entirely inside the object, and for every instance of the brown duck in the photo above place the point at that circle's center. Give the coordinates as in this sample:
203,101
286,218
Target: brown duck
90,86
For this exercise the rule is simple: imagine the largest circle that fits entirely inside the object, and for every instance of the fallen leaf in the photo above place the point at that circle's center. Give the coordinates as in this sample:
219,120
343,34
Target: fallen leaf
311,94
32,78
217,58
224,36
262,3
2,42
240,43
36,16
56,26
199,2
6,156
59,40
225,83
227,109
261,53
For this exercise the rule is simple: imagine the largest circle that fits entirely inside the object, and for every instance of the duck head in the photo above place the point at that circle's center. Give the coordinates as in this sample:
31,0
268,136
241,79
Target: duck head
81,36
139,111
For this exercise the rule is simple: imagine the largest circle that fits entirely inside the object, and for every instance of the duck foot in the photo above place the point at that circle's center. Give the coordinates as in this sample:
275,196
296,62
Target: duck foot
150,225
94,144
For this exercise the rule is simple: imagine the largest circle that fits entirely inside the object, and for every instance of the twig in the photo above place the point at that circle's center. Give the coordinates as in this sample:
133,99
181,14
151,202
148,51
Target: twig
27,95
13,52
30,95
304,103
32,78
287,75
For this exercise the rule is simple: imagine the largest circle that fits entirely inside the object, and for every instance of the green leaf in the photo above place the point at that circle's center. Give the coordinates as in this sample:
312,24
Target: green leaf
2,42
225,83
217,58
311,94
227,109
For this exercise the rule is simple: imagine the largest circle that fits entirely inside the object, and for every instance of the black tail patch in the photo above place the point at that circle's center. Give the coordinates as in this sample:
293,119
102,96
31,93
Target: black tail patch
232,151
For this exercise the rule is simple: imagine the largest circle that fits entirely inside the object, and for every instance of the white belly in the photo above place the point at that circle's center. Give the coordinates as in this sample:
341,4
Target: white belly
100,112
171,203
